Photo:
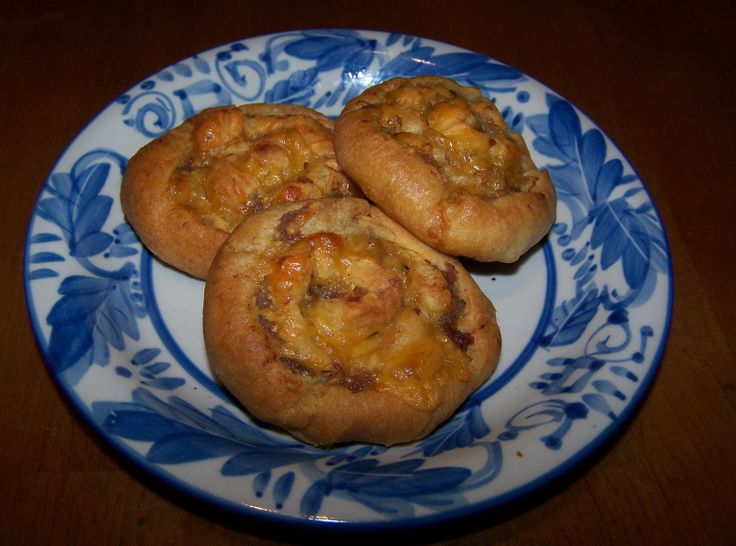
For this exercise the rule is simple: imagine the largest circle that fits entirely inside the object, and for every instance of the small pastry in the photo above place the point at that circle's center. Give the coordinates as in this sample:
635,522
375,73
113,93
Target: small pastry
329,320
184,192
439,158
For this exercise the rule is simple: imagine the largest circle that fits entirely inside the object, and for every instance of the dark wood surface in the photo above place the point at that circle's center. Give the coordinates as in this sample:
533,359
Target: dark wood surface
656,76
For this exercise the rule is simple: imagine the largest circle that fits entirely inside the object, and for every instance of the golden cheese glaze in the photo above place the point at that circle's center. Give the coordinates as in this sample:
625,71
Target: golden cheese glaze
462,133
365,313
246,159
330,320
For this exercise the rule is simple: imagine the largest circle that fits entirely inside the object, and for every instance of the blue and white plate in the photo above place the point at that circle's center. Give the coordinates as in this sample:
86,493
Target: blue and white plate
584,316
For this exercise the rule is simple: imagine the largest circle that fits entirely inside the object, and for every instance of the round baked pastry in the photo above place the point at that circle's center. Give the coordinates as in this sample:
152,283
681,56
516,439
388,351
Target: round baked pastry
329,320
184,192
439,158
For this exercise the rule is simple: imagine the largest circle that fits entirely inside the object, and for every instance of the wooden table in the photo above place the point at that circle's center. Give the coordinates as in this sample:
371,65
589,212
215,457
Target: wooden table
656,76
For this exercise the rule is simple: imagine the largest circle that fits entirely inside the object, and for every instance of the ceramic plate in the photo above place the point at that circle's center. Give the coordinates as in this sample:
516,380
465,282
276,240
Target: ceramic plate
584,316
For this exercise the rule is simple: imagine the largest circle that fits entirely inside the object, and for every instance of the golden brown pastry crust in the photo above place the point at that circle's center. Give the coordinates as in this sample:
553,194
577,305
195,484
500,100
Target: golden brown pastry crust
438,158
329,320
184,192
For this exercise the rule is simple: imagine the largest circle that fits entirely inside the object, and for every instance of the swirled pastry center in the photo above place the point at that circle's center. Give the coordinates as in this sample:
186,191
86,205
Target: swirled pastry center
364,313
243,163
463,135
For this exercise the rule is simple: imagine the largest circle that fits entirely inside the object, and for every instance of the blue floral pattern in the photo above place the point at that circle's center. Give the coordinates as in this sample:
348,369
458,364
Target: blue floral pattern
99,308
597,193
597,348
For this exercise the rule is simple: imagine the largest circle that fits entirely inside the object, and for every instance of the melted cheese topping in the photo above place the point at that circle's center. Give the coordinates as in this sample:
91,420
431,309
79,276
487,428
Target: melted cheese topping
244,163
363,313
464,136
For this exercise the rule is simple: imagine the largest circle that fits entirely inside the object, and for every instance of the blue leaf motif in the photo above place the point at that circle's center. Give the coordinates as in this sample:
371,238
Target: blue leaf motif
316,48
461,431
101,310
190,446
55,210
79,285
585,182
201,65
106,331
125,235
72,318
564,129
570,185
594,180
165,383
89,184
87,210
394,37
261,481
297,88
144,356
139,424
61,185
258,460
329,51
402,479
619,234
370,471
187,413
636,260
123,372
91,245
571,318
119,251
355,64
539,125
90,218
599,404
45,257
70,343
606,387
44,238
623,372
181,433
97,310
153,370
244,432
413,62
182,69
658,252
76,205
459,63
122,309
609,176
79,305
312,499
592,153
493,72
42,273
351,454
282,488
